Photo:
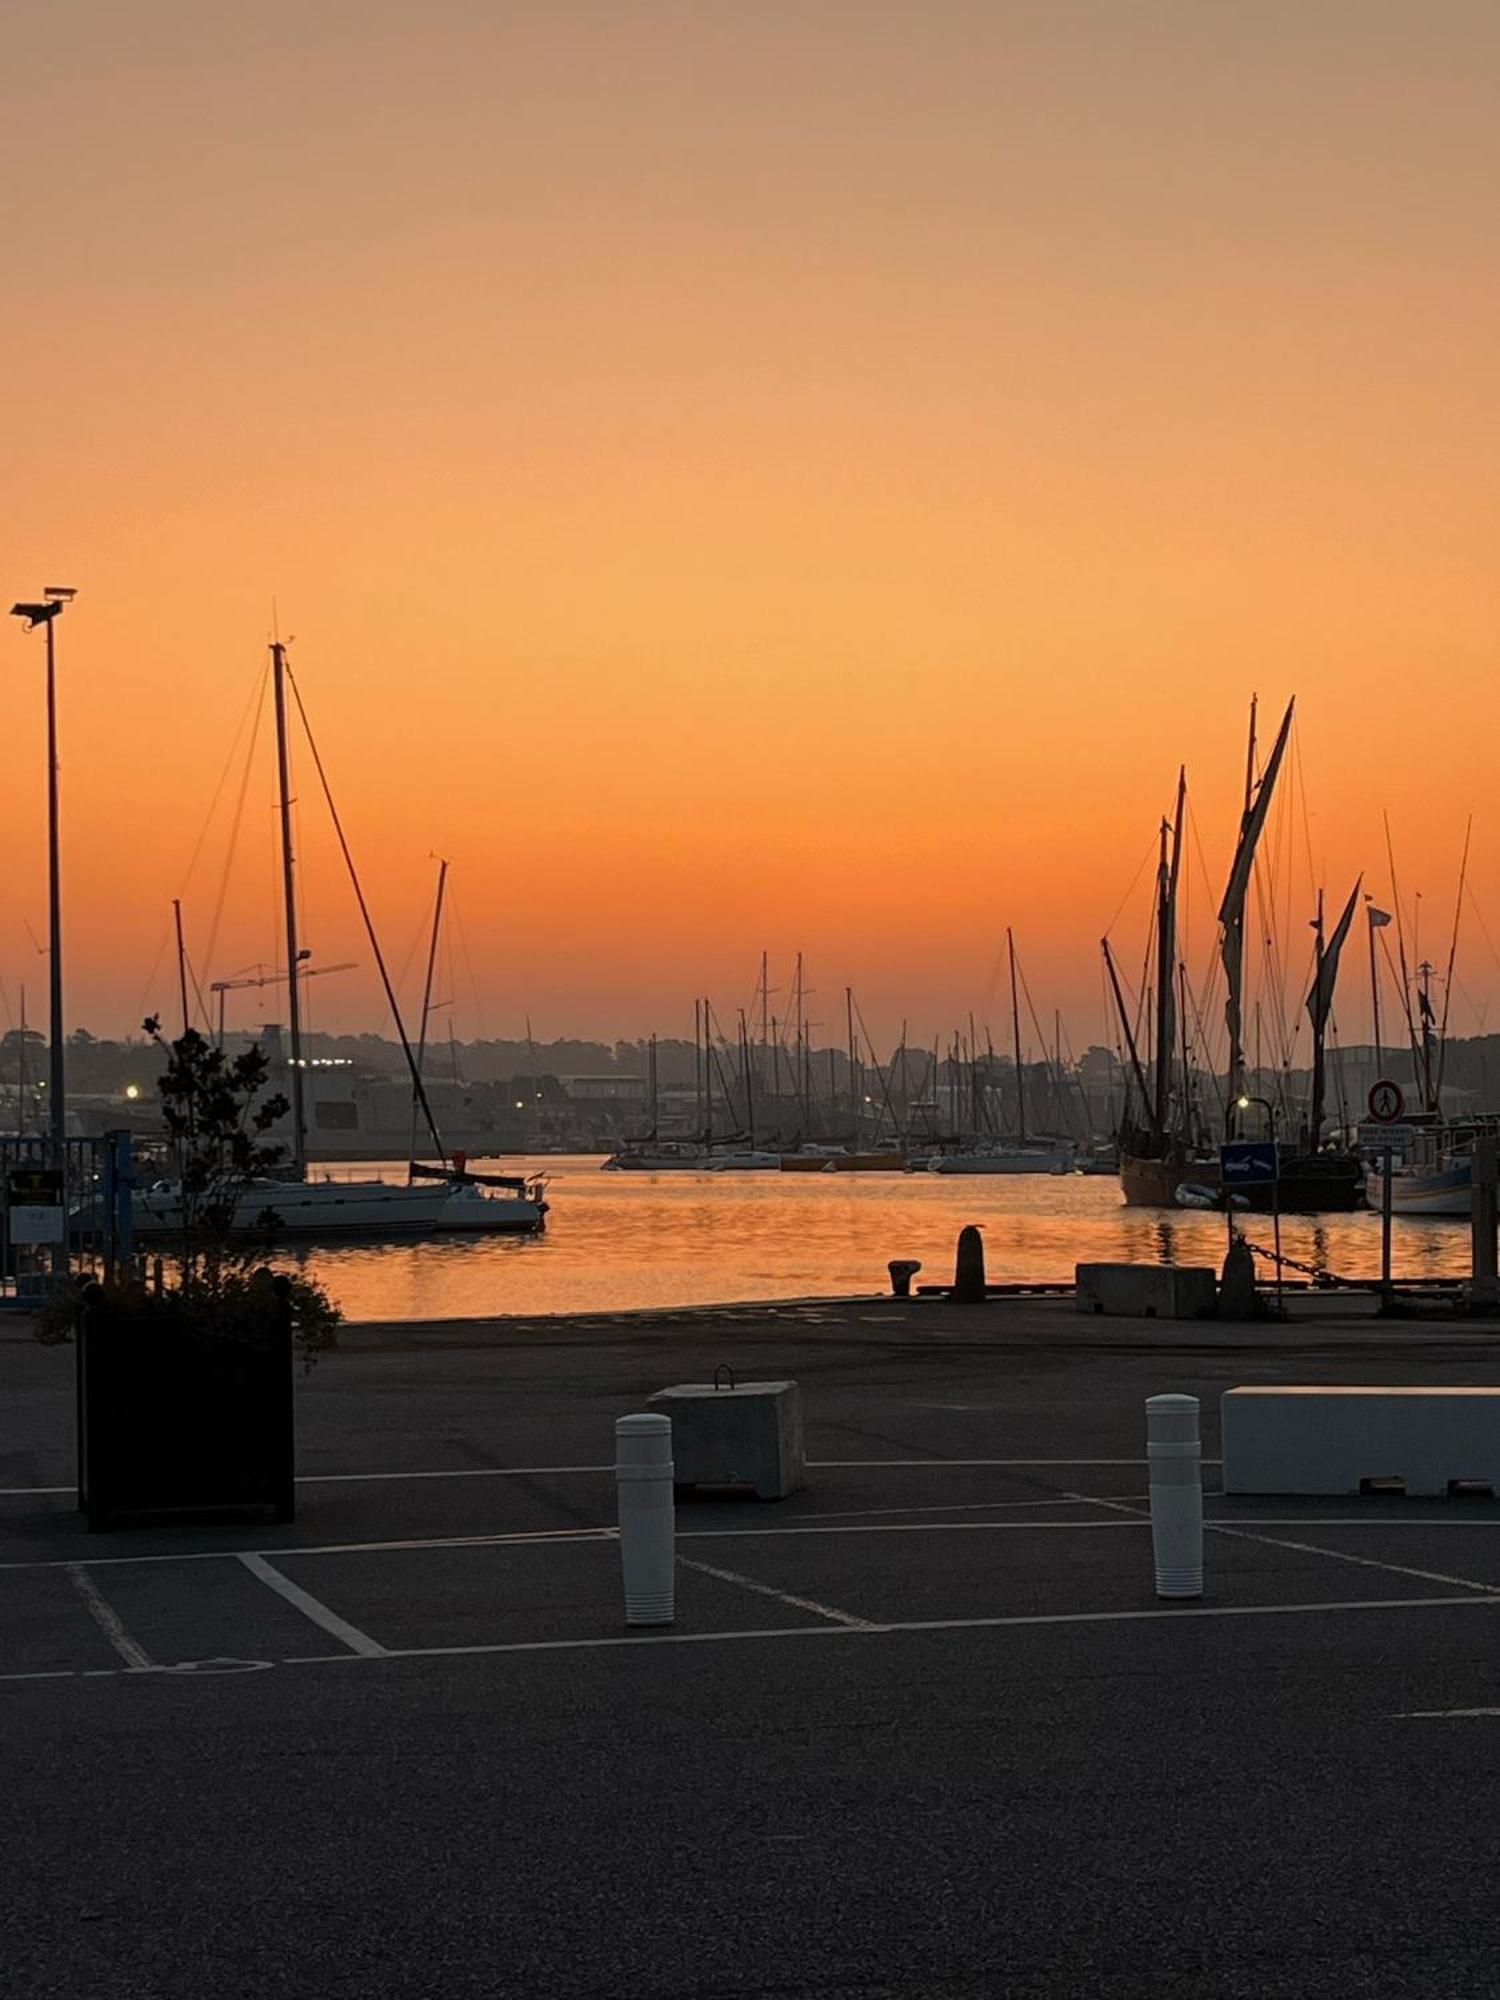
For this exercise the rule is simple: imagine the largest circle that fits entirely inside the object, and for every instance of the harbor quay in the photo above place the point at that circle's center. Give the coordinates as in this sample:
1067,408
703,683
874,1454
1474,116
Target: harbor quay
922,1727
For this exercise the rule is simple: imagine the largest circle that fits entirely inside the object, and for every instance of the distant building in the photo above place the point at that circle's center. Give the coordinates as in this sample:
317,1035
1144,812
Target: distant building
605,1089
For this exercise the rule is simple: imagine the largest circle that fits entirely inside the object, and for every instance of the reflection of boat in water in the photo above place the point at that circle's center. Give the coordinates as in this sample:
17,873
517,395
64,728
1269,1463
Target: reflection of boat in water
474,1204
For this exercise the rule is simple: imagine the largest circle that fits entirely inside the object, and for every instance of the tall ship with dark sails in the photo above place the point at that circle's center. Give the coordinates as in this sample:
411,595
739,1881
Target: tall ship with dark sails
1169,1157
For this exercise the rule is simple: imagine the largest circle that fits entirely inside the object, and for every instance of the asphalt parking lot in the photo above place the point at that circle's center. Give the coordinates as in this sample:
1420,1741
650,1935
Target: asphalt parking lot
923,1727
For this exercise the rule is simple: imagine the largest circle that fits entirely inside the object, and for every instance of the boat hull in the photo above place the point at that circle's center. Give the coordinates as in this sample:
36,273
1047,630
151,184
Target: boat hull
1425,1190
1310,1184
376,1209
1042,1161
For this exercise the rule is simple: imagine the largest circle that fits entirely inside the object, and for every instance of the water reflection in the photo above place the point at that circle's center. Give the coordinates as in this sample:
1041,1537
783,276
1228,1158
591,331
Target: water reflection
629,1240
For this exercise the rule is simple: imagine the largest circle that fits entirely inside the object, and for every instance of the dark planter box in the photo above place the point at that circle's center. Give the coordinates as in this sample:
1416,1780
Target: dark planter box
175,1418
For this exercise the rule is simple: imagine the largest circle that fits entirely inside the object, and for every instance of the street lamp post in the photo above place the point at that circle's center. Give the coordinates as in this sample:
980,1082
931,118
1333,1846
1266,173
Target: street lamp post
45,614
1245,1102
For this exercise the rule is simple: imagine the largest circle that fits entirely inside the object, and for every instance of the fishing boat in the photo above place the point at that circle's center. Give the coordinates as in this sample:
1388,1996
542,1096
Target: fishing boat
1444,1186
1164,1148
1433,1170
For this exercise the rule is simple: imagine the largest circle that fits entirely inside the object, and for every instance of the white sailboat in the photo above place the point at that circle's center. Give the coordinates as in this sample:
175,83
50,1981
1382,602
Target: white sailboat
435,1200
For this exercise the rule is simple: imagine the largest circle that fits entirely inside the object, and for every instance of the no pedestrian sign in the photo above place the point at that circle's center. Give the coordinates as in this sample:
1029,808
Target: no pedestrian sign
1386,1101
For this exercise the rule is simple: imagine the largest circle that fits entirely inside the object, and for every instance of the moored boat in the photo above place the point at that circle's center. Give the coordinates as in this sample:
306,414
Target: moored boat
1038,1156
331,1208
1166,1148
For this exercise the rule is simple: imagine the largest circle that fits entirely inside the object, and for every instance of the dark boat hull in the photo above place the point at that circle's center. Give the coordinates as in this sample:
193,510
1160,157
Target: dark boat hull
1310,1184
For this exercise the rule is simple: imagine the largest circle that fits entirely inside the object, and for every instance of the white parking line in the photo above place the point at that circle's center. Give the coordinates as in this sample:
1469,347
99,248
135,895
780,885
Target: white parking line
313,1608
958,1507
108,1620
1036,1620
781,1596
1243,1534
576,1471
285,1549
1344,1556
940,1464
1126,1517
456,1472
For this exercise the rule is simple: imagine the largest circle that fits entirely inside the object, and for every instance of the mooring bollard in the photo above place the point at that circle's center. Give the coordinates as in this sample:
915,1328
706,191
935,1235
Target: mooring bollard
968,1269
1174,1453
648,1517
903,1270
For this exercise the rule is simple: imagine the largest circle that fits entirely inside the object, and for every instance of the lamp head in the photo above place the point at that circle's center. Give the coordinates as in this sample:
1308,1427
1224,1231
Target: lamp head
1244,1104
36,614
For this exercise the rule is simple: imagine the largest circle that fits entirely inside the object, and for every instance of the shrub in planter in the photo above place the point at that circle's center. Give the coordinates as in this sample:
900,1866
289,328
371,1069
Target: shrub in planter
185,1394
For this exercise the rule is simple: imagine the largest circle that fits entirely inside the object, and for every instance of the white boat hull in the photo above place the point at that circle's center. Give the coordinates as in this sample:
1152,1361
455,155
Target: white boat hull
355,1208
1424,1190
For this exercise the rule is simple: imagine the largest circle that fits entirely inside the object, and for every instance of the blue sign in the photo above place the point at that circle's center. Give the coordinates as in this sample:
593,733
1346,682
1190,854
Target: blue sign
1249,1163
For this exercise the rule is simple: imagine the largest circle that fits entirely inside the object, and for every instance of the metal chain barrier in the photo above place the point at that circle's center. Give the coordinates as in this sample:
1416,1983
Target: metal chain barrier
1319,1273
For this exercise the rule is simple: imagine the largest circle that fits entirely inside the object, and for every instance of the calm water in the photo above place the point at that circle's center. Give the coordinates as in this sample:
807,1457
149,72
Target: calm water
621,1240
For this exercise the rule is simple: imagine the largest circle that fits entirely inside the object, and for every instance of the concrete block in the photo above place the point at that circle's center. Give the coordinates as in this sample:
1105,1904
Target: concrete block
1147,1291
749,1435
1305,1439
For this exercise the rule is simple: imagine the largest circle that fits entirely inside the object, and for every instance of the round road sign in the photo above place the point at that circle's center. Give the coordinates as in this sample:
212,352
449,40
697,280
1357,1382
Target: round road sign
1385,1101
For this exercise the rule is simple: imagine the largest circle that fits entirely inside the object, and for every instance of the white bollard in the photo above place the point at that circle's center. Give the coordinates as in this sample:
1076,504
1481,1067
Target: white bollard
1174,1453
648,1517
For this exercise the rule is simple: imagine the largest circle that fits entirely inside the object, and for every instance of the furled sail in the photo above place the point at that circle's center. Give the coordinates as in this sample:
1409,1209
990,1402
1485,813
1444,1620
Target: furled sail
1232,909
1320,1000
1168,869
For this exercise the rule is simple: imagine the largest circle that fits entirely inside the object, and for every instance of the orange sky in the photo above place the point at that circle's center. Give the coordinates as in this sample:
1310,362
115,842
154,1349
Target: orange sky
791,481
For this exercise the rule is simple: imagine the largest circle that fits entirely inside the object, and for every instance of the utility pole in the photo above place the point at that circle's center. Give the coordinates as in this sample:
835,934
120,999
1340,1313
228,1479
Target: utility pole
45,614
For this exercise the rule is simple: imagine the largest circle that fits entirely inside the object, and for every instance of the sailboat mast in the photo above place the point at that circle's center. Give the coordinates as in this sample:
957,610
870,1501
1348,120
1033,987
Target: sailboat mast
289,898
1168,869
1319,1025
1232,910
1015,1022
765,1017
749,1087
974,1082
432,951
187,1019
709,1075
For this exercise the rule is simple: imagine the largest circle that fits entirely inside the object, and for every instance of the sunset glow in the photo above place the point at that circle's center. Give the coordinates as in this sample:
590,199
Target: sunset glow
801,482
